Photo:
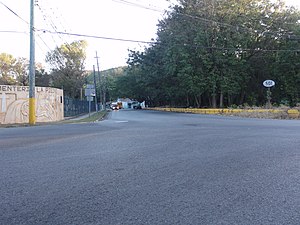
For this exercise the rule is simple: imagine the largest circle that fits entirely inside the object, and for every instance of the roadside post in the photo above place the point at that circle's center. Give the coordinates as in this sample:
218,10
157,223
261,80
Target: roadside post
268,84
90,92
95,83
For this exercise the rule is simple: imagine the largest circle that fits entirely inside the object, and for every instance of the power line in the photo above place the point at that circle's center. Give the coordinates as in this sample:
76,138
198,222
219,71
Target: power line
49,22
61,19
44,42
125,2
54,25
20,32
240,28
96,37
13,31
236,28
238,49
26,33
13,12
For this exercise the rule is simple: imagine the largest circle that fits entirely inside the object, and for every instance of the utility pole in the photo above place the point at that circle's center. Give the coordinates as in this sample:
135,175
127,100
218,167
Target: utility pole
32,115
99,80
104,81
104,92
95,84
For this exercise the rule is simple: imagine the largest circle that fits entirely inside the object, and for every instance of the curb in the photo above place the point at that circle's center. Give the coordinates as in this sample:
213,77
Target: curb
291,113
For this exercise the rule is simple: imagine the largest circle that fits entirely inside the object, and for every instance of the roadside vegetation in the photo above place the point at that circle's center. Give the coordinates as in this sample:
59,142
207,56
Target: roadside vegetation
97,116
217,54
277,113
207,54
67,69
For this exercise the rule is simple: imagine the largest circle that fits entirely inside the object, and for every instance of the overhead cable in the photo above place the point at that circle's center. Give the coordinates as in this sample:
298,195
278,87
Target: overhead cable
238,49
14,12
96,37
13,31
138,5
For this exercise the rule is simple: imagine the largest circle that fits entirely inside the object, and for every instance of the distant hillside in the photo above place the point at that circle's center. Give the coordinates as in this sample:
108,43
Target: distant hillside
109,73
114,72
110,77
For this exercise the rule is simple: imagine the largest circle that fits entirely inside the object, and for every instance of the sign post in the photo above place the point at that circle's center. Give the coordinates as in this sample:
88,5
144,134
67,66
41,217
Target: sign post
90,93
268,84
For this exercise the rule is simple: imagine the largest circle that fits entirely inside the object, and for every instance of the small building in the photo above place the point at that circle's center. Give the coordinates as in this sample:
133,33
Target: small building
127,103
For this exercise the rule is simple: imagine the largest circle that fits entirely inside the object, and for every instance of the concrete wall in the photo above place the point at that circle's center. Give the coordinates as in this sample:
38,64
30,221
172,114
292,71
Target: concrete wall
14,104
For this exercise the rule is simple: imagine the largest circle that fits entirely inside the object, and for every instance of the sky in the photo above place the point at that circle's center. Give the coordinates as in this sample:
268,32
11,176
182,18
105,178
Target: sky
134,20
114,19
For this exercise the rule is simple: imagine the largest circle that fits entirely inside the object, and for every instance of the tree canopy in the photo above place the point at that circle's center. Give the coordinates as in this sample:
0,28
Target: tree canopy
216,53
13,71
68,67
110,85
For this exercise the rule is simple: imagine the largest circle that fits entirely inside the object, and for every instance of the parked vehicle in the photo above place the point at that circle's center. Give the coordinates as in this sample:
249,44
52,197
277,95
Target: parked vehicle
120,105
136,105
114,106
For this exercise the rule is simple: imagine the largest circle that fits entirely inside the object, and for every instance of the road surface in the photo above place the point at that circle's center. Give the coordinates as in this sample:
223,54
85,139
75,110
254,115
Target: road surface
148,167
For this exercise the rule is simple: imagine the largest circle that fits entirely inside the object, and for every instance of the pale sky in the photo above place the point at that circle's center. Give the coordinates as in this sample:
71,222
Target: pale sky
103,18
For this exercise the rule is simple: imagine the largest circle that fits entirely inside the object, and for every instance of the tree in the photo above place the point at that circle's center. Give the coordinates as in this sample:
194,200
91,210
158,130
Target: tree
7,63
109,82
13,71
218,53
20,69
68,62
42,78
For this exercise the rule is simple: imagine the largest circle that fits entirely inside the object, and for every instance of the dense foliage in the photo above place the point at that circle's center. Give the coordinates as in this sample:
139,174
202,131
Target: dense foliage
108,83
67,65
67,69
14,71
217,53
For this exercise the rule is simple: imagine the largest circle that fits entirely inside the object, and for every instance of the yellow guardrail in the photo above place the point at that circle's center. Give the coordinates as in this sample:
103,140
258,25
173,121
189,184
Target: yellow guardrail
292,113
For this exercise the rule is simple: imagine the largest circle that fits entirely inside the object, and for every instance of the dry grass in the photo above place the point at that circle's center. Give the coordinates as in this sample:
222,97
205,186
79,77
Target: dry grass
265,115
251,112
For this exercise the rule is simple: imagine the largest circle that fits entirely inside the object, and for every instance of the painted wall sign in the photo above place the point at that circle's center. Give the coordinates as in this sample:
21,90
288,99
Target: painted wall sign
14,104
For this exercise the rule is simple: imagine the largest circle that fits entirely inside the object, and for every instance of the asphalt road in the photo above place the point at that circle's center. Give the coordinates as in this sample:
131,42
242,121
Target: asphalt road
147,167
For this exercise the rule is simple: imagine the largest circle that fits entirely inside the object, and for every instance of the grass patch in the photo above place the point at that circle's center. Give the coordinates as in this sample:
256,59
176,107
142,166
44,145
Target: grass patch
95,117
